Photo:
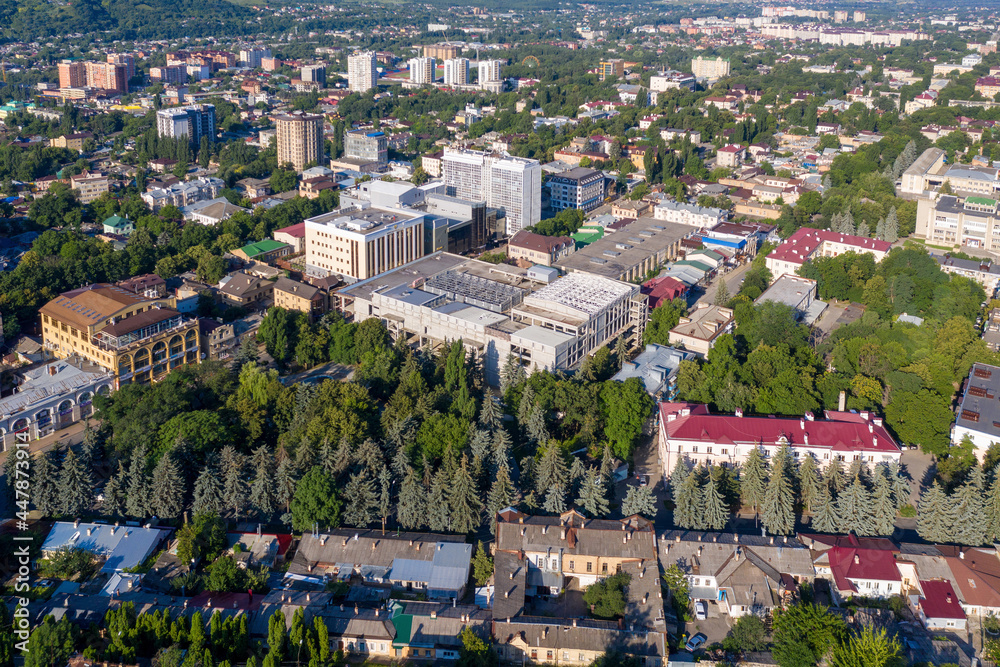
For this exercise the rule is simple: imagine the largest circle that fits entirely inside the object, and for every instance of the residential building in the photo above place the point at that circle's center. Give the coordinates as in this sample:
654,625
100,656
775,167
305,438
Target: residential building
689,214
253,188
442,51
497,311
805,244
218,339
671,80
982,271
300,139
90,185
579,187
149,285
137,338
314,74
987,86
422,70
976,574
184,193
431,163
71,141
511,184
698,330
978,417
169,74
118,547
367,145
295,236
293,295
361,73
118,225
660,290
931,171
246,291
954,221
253,56
107,76
629,253
435,565
626,209
538,557
863,567
193,121
709,68
656,367
534,248
730,156
489,74
938,608
614,67
363,241
456,72
51,397
265,251
690,432
72,74
798,293
211,212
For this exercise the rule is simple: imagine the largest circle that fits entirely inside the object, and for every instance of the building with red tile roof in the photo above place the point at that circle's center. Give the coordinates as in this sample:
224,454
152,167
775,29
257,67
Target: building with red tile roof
939,607
691,432
663,289
807,243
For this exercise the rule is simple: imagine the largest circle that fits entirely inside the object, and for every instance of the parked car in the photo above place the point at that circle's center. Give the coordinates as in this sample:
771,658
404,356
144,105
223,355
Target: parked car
643,480
700,610
696,642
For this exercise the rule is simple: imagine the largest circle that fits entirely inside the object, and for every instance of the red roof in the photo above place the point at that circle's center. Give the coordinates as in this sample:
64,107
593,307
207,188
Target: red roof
540,242
663,289
940,601
800,246
297,231
839,432
731,149
874,564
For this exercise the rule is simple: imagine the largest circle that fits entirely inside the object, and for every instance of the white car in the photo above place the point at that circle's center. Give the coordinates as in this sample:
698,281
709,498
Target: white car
700,610
695,642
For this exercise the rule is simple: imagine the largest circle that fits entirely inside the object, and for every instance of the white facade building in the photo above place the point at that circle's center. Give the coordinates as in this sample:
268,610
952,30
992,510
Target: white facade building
689,214
361,73
510,183
489,74
422,70
456,72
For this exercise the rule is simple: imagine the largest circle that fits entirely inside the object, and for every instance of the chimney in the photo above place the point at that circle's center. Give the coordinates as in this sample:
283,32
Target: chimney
947,598
961,554
52,369
562,534
545,530
715,538
624,539
76,524
434,614
842,403
520,519
857,559
234,604
871,427
699,550
736,538
677,539
772,539
355,608
739,412
574,622
308,597
209,603
545,633
411,543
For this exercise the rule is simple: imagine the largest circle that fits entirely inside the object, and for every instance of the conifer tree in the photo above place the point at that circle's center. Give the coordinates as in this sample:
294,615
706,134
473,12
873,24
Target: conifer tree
137,498
722,296
263,491
502,444
971,524
490,414
935,515
368,456
900,484
552,470
44,487
512,374
809,483
892,226
883,513
234,484
501,495
463,502
90,448
167,488
208,490
362,501
114,492
716,511
577,475
688,509
854,509
285,480
753,480
385,495
834,477
410,505
824,518
342,458
592,498
778,507
555,501
991,508
480,443
535,428
677,477
525,405
640,500
75,485
438,518
621,351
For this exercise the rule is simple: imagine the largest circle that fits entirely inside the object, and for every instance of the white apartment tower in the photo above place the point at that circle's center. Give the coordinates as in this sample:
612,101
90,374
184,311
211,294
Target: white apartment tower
489,72
422,70
361,73
252,56
709,68
456,72
510,183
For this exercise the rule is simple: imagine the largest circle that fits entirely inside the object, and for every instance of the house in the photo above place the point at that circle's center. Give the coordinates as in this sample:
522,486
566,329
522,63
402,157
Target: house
253,187
745,574
660,290
656,367
938,607
118,225
983,271
862,566
295,236
531,248
807,243
293,295
432,631
730,156
626,209
71,141
218,339
976,575
978,416
120,547
245,291
212,212
798,293
263,251
149,285
257,549
698,330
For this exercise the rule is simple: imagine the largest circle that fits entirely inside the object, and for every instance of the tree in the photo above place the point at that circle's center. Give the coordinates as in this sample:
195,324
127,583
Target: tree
464,503
167,490
808,482
475,652
868,647
361,499
825,517
883,511
552,470
778,506
625,407
482,565
722,297
716,511
748,635
203,538
263,492
891,226
438,515
490,415
75,485
315,501
991,508
137,495
592,499
688,510
607,597
662,319
50,643
502,494
935,515
208,489
555,501
971,524
410,506
804,634
283,180
234,485
854,509
640,500
753,481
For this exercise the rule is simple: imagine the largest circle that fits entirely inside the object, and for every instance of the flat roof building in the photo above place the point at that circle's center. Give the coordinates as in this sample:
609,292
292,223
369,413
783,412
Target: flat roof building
797,292
978,416
631,252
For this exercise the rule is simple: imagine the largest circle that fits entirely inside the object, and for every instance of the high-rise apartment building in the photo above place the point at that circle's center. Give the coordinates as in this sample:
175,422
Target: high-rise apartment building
442,51
366,145
362,242
314,74
510,183
456,72
126,59
611,68
300,139
422,70
173,74
489,72
194,122
72,75
253,55
361,73
107,76
709,68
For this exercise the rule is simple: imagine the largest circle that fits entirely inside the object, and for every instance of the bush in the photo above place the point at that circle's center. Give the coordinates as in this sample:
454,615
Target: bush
908,511
607,597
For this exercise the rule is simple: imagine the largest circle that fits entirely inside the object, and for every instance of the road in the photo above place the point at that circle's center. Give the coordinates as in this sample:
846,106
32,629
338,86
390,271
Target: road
329,371
733,280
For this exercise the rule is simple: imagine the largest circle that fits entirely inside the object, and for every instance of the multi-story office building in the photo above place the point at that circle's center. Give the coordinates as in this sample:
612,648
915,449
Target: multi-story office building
456,72
253,55
709,68
194,122
614,67
489,74
952,221
140,339
932,170
670,80
72,74
422,70
171,74
361,73
300,139
367,145
314,74
363,241
512,184
442,51
579,187
126,59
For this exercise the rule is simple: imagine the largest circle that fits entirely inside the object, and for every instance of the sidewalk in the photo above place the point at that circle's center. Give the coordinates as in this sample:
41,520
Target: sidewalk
72,434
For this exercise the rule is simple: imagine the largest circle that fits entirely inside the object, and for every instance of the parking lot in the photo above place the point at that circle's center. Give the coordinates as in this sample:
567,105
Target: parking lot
715,627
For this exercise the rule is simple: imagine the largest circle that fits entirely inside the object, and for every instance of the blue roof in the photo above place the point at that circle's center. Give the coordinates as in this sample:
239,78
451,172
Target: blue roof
405,569
122,546
375,134
450,569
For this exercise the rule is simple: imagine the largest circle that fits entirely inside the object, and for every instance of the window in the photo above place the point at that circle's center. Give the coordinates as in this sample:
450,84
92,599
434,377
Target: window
534,654
590,566
694,449
572,565
582,658
548,654
604,568
565,655
709,450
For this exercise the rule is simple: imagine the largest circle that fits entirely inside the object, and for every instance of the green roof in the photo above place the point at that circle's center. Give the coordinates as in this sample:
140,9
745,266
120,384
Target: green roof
586,236
262,247
403,623
710,253
698,265
981,201
117,221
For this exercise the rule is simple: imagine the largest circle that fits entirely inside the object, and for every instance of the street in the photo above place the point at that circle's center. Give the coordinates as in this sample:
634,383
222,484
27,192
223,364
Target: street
734,279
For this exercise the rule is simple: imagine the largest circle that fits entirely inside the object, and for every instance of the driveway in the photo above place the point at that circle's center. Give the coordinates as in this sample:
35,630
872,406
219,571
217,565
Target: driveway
329,371
733,280
715,627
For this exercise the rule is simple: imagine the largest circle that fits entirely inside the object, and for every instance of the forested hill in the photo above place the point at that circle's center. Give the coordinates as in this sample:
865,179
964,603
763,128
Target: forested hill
24,20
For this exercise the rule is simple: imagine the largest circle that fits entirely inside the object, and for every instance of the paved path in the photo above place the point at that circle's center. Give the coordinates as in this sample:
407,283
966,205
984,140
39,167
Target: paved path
733,282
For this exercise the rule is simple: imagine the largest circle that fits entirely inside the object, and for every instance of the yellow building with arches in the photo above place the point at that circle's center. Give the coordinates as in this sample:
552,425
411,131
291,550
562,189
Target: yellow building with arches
139,339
